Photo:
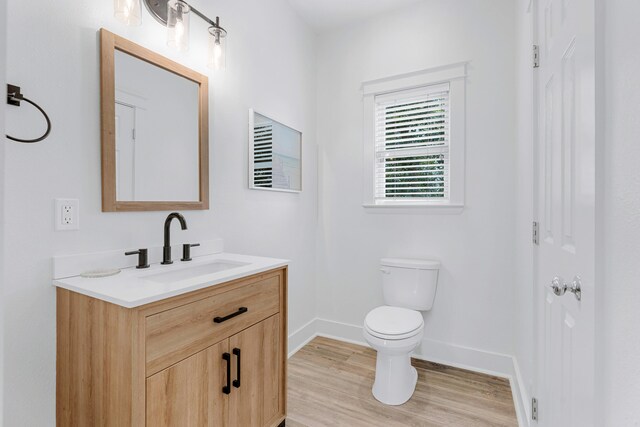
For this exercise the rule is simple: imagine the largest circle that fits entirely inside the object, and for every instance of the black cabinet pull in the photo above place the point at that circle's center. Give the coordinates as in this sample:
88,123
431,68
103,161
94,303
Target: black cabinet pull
227,388
230,316
236,382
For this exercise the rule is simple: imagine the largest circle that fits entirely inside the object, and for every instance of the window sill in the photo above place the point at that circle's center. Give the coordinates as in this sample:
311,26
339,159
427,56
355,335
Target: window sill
414,208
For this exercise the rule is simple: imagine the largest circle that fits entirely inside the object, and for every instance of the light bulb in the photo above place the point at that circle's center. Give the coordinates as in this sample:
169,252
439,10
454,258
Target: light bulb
127,11
178,24
217,51
216,48
179,31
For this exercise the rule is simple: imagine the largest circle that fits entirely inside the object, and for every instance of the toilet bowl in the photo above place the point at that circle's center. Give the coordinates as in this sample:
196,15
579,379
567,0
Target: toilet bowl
395,330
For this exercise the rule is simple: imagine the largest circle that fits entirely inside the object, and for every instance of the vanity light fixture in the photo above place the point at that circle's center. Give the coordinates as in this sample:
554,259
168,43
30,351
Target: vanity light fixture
128,11
178,25
217,46
175,14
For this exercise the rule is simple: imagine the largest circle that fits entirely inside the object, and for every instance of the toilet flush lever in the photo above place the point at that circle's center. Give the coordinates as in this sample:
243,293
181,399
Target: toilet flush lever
385,271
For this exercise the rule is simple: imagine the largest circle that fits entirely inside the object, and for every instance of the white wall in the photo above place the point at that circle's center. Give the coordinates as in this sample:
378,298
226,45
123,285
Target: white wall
474,301
54,56
523,283
621,293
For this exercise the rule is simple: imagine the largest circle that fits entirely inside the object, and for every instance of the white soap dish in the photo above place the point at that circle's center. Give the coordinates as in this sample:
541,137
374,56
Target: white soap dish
94,274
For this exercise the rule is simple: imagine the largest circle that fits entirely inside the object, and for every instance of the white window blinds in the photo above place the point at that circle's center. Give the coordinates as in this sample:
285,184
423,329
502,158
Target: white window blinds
412,144
263,155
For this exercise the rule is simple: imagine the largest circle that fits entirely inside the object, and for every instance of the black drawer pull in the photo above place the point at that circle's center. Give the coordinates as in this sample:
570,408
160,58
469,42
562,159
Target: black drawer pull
230,316
236,382
227,388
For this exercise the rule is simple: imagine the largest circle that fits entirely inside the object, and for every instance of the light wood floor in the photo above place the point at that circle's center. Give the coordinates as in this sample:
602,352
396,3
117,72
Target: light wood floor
330,385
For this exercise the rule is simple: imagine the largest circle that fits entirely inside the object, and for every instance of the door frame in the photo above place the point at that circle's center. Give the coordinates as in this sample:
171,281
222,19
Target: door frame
599,217
535,205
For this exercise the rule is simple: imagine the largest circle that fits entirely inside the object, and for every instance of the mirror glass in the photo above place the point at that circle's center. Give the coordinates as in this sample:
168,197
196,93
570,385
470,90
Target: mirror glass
156,132
275,155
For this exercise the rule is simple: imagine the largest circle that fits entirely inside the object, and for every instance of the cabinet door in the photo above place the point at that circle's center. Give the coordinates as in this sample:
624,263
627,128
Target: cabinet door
257,401
189,393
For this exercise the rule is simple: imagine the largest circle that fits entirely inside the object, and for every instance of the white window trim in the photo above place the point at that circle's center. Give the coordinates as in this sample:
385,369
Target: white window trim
455,75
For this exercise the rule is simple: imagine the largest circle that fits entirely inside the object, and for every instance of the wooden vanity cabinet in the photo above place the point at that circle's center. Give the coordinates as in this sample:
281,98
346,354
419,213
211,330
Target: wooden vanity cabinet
189,393
169,363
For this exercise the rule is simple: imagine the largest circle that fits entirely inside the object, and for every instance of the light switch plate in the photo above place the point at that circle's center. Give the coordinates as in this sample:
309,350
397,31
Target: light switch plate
67,214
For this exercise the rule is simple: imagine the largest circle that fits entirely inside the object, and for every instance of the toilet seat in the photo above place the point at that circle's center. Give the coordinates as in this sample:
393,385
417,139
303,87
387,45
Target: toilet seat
393,323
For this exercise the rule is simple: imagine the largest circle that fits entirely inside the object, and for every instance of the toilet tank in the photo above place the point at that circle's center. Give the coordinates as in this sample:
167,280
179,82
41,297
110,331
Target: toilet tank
409,283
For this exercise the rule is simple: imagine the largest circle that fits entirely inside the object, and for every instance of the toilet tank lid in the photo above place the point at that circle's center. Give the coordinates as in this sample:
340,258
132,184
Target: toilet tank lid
418,264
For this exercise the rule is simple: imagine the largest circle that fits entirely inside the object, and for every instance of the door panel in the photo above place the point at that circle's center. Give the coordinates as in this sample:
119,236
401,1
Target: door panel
257,401
125,121
189,393
566,200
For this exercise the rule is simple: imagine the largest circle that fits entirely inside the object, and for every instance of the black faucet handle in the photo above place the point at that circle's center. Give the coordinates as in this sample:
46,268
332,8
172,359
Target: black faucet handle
186,251
143,258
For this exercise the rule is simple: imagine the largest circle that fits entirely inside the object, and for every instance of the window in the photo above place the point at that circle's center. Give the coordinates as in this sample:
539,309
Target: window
414,139
412,144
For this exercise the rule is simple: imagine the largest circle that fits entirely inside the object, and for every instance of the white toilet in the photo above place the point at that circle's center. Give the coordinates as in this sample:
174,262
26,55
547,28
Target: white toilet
396,329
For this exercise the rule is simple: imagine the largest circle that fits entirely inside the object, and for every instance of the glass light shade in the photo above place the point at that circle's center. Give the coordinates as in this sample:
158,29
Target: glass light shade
178,25
217,48
128,12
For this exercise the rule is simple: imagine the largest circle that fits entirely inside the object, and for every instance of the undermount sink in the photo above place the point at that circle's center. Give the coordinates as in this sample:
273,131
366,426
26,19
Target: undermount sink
195,271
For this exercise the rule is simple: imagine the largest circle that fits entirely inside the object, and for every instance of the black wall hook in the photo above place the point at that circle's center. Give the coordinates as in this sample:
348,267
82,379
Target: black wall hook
14,97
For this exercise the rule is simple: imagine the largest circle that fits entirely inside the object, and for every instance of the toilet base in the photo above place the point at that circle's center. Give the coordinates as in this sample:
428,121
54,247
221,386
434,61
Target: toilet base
395,378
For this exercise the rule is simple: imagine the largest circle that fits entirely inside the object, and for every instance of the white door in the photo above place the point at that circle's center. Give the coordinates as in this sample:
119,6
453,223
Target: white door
565,172
125,151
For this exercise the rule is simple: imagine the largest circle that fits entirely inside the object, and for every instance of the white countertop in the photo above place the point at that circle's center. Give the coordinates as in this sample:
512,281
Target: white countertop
133,287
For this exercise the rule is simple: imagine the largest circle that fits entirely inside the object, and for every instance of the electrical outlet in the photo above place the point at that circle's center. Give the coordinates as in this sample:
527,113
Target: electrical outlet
67,214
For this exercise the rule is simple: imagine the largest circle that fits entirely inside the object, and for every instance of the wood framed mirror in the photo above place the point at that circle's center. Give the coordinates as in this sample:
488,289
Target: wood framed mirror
155,131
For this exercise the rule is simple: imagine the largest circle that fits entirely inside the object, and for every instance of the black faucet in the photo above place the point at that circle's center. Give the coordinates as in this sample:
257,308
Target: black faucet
166,249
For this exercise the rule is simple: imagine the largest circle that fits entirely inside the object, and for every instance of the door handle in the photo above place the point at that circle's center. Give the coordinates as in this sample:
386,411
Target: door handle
560,287
236,382
227,388
575,287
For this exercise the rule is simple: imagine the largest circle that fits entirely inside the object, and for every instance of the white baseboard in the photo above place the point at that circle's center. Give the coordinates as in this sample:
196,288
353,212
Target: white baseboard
340,331
434,351
520,396
302,336
486,362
